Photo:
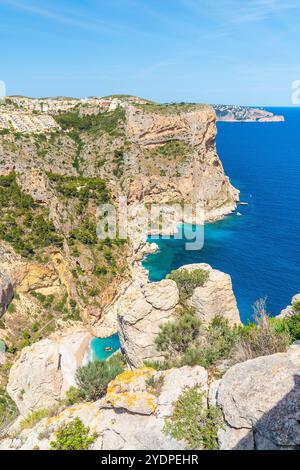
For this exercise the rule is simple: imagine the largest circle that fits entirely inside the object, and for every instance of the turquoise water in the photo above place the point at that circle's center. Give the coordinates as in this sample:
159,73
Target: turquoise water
98,346
261,249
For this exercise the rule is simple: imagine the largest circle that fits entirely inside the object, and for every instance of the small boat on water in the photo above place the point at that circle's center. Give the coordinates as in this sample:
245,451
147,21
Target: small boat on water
108,349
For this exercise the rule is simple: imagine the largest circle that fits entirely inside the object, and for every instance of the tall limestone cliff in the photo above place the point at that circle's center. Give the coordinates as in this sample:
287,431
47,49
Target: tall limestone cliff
51,185
174,158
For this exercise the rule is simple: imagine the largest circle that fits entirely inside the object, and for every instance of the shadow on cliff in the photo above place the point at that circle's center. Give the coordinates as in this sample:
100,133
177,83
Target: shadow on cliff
279,428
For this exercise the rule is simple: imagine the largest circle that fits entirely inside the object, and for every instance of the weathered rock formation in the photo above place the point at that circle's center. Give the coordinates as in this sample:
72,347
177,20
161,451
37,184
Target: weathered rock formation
46,370
130,417
29,278
193,174
260,400
290,310
6,292
141,312
145,307
216,297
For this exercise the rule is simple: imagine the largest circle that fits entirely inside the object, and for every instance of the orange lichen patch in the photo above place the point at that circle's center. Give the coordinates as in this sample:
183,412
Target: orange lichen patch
128,391
130,377
139,402
68,413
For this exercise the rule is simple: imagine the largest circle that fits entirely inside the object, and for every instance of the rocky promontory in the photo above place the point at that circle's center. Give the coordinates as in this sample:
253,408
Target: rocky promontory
233,113
144,308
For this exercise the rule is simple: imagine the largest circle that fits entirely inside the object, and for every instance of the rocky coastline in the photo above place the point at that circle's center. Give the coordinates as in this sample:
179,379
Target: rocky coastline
54,300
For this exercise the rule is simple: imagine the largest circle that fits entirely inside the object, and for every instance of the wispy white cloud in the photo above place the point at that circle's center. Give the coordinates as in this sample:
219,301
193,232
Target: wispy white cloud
96,25
261,10
238,12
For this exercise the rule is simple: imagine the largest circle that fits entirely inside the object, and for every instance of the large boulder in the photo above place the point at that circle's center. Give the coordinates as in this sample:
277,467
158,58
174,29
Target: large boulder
119,419
46,370
215,297
260,400
6,292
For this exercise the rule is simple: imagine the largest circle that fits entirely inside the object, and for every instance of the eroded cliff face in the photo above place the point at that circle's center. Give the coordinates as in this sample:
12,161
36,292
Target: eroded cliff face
173,158
153,154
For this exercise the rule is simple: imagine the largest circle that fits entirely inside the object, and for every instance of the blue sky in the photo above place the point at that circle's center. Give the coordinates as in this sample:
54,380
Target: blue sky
216,51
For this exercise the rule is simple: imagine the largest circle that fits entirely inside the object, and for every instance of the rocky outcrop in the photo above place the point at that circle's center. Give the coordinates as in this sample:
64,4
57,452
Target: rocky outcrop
141,312
260,400
35,380
215,297
6,292
129,391
46,370
290,310
130,417
145,307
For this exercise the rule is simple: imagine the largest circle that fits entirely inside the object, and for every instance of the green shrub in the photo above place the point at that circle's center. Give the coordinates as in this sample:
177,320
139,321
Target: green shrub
85,234
73,436
92,380
293,326
155,384
193,422
100,270
186,341
187,281
33,418
175,337
11,308
4,131
119,163
175,150
216,343
261,338
81,188
24,223
108,122
168,108
73,396
8,409
289,325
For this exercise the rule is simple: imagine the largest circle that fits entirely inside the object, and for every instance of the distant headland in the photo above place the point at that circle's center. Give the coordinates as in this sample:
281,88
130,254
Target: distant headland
235,113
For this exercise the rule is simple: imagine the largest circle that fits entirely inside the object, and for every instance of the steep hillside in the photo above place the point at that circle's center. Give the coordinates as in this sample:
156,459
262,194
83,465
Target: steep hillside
51,185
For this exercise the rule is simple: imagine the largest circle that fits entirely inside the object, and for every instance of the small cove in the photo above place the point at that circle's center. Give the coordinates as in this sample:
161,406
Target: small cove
101,349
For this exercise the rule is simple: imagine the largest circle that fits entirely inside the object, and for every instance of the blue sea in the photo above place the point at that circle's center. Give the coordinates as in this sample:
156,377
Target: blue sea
98,346
261,249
